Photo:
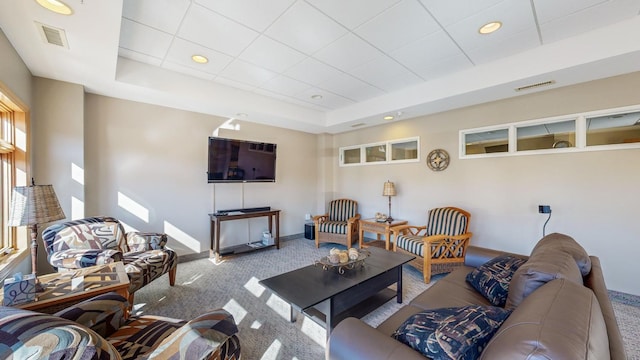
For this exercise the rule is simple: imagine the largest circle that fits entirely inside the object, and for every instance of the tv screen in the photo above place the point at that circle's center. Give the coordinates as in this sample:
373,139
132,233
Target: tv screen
241,161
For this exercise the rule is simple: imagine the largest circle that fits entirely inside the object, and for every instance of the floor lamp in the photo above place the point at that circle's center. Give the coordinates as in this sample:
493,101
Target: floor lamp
30,206
389,190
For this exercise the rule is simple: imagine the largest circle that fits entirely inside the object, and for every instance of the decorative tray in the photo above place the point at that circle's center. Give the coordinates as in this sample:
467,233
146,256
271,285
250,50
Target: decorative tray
341,267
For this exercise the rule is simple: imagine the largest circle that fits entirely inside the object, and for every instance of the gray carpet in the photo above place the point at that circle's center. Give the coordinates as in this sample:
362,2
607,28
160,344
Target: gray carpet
265,333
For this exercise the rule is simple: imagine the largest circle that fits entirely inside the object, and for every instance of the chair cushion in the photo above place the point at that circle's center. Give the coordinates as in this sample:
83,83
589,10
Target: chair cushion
30,335
81,258
144,267
492,278
342,209
562,243
142,334
451,333
411,243
446,221
333,227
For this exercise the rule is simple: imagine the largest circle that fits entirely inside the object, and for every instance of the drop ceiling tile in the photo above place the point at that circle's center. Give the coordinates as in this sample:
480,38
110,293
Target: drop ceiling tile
143,39
271,54
181,51
522,41
386,74
205,27
401,24
347,52
427,51
164,15
139,57
235,84
256,14
549,10
313,30
352,13
516,16
349,87
449,12
311,71
187,70
247,73
329,100
436,69
285,86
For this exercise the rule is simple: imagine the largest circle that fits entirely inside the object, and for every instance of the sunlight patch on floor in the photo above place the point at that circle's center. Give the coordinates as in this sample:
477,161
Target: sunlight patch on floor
272,351
254,287
216,263
315,332
280,306
256,325
236,310
192,280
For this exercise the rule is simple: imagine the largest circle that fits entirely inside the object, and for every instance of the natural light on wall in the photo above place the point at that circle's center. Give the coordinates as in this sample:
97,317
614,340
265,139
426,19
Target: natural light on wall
133,207
77,208
181,236
21,140
77,173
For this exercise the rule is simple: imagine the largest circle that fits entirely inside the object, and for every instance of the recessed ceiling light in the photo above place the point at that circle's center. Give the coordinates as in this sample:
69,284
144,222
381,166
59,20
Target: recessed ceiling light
316,97
200,59
490,27
388,117
56,6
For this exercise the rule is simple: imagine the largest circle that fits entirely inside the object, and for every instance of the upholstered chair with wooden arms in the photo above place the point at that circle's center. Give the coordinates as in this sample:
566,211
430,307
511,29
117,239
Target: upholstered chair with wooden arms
439,246
339,224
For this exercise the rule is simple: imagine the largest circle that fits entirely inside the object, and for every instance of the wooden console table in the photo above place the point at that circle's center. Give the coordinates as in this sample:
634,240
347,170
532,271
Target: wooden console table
379,228
217,219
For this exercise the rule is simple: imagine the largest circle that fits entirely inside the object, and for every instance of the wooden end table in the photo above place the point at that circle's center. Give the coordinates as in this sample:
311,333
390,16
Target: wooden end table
60,294
379,228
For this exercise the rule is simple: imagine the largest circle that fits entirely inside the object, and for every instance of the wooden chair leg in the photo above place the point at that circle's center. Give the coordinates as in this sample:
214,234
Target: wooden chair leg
172,276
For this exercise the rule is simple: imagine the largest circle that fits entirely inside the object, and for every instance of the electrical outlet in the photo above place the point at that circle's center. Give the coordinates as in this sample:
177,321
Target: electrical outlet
307,216
544,209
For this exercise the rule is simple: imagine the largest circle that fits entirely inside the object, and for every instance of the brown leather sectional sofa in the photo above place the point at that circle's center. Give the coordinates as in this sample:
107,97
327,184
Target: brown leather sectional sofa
561,319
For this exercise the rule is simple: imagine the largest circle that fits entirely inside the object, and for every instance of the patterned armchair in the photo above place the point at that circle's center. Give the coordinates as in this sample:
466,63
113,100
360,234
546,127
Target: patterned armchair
97,329
340,224
101,240
439,246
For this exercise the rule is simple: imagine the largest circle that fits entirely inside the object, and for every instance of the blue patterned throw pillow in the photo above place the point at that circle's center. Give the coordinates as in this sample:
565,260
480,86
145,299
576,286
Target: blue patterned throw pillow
492,278
451,333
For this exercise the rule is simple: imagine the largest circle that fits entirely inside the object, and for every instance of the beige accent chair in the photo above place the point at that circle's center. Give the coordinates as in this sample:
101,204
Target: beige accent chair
439,246
339,224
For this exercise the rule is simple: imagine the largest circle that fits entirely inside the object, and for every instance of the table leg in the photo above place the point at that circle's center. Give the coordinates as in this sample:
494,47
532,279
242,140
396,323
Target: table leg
387,240
329,318
217,240
361,238
277,230
399,286
293,314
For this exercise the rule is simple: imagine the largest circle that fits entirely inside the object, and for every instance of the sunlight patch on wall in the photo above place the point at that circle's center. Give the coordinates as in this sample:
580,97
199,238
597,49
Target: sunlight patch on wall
254,287
21,177
77,208
77,173
280,306
181,236
272,351
314,331
236,310
133,207
21,140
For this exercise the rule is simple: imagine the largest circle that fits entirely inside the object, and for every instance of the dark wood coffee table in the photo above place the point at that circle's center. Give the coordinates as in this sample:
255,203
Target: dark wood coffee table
328,297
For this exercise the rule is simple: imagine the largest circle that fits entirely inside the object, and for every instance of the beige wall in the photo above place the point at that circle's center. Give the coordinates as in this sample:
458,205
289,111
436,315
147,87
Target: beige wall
593,195
146,165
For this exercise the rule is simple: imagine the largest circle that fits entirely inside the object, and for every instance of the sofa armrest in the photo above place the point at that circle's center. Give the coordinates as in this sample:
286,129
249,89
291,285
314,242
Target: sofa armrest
476,256
354,339
103,314
145,241
81,258
201,338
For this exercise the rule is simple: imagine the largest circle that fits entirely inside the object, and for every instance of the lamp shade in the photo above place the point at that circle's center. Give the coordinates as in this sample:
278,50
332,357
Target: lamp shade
389,189
34,204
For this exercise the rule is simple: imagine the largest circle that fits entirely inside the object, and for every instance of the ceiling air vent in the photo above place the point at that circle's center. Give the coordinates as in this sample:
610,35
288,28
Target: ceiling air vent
536,85
52,35
358,125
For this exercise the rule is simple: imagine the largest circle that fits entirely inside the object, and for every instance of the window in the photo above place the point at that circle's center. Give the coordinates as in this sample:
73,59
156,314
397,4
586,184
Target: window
393,151
13,166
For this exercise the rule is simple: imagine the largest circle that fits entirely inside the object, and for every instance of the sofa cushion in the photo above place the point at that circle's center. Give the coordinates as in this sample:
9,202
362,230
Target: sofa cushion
541,268
492,278
557,242
451,333
560,320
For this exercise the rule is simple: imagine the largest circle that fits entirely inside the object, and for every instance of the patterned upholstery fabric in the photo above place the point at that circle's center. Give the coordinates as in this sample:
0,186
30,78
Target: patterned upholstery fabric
342,210
446,221
451,333
30,335
99,240
492,278
333,227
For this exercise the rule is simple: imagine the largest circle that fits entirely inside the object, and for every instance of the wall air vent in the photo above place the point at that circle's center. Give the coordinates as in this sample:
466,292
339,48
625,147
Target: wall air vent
536,85
358,125
52,35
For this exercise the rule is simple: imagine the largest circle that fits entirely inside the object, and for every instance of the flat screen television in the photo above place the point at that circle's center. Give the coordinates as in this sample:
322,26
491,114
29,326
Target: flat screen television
233,160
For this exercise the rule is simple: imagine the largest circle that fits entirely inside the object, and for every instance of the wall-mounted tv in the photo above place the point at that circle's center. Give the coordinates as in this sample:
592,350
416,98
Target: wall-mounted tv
233,160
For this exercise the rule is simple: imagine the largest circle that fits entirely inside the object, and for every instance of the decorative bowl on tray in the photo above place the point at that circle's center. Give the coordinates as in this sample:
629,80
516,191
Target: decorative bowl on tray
353,260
